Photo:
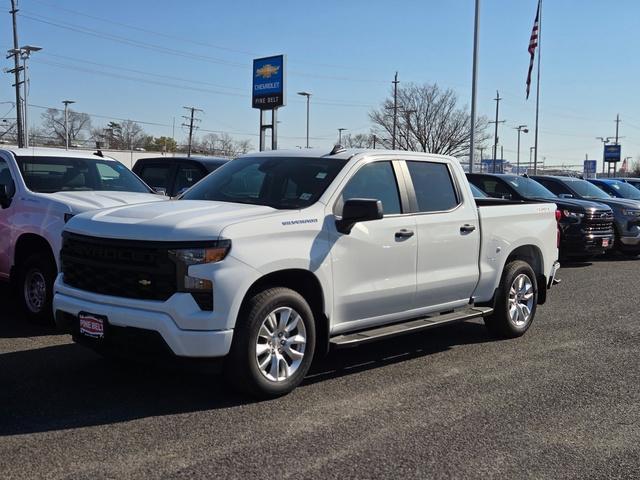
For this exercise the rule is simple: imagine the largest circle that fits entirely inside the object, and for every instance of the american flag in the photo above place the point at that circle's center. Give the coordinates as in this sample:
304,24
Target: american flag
533,44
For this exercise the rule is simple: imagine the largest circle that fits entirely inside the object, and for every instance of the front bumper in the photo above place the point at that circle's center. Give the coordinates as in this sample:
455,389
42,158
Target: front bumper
585,244
183,343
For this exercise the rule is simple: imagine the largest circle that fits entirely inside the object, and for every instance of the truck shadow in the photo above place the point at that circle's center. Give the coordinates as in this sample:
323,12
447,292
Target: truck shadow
66,386
13,324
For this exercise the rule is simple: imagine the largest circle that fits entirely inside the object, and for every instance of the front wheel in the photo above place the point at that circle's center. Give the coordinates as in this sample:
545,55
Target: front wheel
35,284
516,303
273,344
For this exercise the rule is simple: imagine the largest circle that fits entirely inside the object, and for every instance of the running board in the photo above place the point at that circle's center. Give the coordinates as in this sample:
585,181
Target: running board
389,331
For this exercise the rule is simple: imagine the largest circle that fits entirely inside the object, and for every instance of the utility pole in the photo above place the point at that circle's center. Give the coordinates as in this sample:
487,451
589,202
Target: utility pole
474,82
495,137
16,71
191,119
520,128
395,110
308,95
617,138
374,141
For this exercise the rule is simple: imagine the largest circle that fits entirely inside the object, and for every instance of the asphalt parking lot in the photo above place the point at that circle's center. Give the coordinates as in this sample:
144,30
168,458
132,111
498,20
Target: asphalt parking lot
561,402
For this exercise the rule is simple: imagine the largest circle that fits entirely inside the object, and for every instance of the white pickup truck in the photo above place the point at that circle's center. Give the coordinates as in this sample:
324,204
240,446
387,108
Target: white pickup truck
275,257
40,189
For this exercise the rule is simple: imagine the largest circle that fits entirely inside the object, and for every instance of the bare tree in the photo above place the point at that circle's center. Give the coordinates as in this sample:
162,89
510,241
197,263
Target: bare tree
53,125
121,135
359,140
429,120
221,144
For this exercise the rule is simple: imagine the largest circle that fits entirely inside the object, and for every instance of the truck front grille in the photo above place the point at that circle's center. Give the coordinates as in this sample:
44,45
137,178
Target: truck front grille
121,268
598,223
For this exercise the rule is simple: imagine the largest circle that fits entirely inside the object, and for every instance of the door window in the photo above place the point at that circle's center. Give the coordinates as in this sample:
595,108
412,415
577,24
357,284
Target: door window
555,187
187,176
5,177
157,176
375,180
433,185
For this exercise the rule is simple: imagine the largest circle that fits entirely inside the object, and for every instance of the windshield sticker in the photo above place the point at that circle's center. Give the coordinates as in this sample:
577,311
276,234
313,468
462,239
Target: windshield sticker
305,196
321,175
300,222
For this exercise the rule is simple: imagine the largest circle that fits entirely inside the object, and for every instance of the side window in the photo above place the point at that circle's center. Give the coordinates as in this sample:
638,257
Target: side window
433,185
156,176
553,186
187,176
375,180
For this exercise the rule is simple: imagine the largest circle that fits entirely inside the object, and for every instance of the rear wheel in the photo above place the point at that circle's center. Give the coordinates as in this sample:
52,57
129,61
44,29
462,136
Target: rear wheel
516,303
35,287
273,344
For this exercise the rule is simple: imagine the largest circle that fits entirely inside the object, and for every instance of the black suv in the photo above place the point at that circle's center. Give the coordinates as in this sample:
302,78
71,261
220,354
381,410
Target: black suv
626,212
586,228
174,175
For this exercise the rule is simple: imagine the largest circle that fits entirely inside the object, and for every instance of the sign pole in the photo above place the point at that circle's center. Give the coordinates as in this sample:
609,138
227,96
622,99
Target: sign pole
274,129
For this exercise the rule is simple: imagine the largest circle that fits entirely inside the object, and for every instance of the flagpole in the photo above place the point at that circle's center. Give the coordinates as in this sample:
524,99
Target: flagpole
535,157
474,83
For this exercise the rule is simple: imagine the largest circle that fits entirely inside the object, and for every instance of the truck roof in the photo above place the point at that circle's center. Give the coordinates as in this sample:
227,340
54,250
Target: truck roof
344,154
52,152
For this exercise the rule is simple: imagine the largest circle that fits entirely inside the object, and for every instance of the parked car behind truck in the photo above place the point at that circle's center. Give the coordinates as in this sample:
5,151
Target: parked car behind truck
40,189
586,228
277,256
626,213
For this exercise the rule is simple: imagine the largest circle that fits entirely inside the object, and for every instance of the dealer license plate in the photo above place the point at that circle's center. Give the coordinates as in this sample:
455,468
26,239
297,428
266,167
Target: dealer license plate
92,325
605,242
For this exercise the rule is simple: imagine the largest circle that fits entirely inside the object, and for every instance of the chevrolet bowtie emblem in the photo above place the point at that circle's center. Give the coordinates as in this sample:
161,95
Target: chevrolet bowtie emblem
144,283
267,71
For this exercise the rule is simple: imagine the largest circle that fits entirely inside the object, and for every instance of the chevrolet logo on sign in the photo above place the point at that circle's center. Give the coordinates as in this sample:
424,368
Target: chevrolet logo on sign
267,71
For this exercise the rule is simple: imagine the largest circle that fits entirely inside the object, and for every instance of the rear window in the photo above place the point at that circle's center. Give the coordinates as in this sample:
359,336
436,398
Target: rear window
64,174
433,185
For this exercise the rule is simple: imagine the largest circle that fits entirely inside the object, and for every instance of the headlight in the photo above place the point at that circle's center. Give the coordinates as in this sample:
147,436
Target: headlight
630,213
200,289
570,214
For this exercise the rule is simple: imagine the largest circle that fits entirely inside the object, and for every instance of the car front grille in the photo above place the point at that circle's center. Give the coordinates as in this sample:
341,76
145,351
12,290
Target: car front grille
598,222
121,268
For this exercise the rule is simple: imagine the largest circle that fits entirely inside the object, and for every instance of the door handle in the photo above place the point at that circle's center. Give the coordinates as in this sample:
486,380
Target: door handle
466,228
404,233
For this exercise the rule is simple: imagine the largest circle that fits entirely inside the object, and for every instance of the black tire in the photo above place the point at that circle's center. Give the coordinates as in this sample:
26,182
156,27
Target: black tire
500,323
38,267
241,366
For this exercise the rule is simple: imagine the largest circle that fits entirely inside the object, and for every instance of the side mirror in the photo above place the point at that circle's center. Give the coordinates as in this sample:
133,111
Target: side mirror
565,195
358,210
6,194
160,190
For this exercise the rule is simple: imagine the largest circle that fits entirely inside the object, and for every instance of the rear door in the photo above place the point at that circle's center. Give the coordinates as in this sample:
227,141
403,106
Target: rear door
5,225
448,236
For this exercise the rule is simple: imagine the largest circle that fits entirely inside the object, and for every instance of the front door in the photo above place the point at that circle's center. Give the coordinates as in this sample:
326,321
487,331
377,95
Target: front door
5,227
374,267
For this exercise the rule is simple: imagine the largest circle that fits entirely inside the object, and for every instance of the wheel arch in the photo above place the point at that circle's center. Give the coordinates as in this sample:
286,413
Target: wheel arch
306,284
532,255
29,243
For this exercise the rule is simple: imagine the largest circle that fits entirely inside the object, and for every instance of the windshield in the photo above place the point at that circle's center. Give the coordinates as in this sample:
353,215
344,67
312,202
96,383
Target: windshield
278,182
529,188
63,174
586,189
625,190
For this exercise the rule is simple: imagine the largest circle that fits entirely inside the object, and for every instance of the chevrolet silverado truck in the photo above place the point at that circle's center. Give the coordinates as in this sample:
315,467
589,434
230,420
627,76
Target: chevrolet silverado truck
276,257
40,189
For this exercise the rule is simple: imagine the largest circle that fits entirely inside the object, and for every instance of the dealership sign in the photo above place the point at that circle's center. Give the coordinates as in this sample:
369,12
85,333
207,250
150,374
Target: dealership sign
612,153
268,83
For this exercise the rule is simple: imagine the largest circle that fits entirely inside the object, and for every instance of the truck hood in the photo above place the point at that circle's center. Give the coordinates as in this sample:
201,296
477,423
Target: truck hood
576,204
617,203
177,220
80,202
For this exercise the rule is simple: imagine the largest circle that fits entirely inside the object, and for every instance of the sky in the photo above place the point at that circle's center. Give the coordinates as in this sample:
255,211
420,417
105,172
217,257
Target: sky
144,60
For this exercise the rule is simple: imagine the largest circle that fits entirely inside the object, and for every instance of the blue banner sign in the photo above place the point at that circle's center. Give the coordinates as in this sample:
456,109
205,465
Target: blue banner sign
612,153
268,83
590,167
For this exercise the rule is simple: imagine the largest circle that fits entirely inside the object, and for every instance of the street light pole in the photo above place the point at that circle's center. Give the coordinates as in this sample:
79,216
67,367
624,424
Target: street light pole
308,95
520,128
474,81
604,141
340,130
531,149
66,121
